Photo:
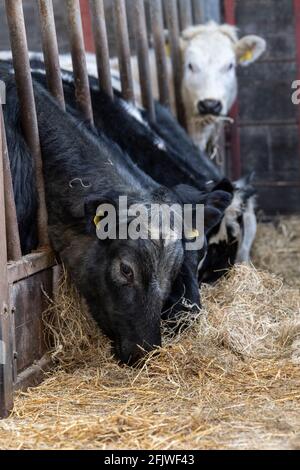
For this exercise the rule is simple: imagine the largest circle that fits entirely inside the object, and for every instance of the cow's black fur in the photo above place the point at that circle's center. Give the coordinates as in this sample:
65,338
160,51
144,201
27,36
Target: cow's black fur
23,171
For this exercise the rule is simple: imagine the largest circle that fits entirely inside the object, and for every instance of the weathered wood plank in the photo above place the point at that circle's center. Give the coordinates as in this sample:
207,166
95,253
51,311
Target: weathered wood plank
6,362
29,298
34,374
30,264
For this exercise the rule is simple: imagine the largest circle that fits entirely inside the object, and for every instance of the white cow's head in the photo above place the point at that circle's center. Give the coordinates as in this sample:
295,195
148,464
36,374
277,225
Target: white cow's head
211,54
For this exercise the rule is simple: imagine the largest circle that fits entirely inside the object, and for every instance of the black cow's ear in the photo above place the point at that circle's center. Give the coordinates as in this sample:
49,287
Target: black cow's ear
212,217
189,195
219,199
91,205
224,185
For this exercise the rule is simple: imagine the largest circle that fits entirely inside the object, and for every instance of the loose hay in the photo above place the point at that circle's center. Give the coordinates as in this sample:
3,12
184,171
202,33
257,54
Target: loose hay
230,381
277,248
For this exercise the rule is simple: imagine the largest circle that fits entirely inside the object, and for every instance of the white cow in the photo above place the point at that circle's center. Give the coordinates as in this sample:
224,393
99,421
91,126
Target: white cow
210,56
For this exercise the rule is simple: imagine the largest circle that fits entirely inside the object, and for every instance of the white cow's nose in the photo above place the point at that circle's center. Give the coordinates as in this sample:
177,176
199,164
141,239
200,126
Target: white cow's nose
213,107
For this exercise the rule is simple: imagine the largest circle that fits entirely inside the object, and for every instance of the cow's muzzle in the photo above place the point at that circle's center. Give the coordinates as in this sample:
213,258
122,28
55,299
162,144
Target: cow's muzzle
210,107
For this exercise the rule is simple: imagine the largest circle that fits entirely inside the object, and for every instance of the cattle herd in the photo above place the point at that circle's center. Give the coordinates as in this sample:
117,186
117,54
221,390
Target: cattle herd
131,285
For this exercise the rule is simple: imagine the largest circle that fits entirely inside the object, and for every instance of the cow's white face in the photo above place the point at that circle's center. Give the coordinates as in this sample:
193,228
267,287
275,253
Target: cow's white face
211,54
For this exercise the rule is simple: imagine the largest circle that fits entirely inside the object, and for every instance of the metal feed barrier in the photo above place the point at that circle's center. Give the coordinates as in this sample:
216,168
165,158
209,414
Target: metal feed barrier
23,354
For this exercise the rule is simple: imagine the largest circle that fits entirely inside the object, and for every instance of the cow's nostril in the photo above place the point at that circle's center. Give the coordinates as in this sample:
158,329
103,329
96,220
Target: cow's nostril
213,107
132,354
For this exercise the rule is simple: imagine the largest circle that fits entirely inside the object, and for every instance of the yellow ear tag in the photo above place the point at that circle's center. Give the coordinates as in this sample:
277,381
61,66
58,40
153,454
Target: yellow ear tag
168,50
247,56
97,220
193,234
98,217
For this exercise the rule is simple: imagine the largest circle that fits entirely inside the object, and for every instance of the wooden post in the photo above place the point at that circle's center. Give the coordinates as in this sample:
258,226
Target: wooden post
18,39
6,350
50,49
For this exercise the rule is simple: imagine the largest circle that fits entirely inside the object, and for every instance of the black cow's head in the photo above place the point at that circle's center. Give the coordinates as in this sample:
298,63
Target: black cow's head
126,283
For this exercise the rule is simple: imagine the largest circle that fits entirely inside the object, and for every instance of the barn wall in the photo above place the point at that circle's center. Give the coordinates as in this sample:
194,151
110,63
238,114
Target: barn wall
269,124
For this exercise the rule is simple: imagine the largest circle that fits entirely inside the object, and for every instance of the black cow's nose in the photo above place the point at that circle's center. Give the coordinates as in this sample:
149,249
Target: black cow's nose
213,107
132,354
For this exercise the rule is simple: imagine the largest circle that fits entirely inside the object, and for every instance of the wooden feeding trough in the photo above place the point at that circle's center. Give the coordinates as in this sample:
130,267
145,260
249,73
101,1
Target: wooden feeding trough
25,280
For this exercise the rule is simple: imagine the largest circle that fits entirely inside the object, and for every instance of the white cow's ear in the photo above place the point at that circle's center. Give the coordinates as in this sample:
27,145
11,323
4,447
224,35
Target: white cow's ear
183,44
249,49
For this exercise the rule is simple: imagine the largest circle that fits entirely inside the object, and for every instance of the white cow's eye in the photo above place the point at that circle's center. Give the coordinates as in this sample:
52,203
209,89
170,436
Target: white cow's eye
193,68
231,66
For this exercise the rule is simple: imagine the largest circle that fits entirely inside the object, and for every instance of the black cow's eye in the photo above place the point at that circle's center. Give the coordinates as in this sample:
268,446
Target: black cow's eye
127,272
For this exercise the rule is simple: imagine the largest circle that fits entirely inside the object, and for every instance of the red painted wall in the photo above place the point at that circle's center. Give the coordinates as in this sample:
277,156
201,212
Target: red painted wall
87,26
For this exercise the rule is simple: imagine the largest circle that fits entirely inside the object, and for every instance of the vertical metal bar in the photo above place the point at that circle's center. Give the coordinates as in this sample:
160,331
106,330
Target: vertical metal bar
138,12
83,96
16,24
236,164
50,49
198,11
157,26
173,27
14,252
121,31
185,13
6,354
101,44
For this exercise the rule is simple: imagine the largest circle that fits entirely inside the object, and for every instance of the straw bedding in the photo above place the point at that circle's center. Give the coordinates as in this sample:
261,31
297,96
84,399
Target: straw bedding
232,380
